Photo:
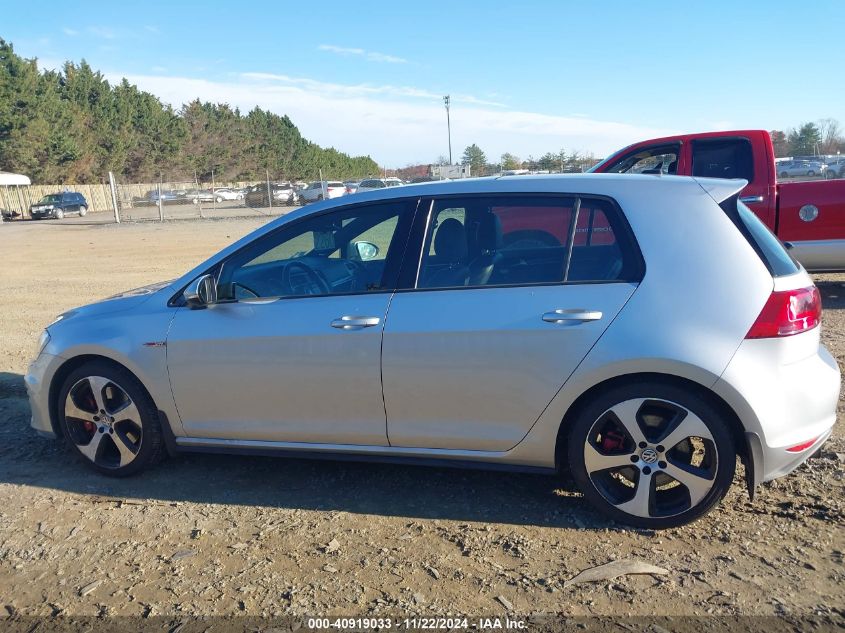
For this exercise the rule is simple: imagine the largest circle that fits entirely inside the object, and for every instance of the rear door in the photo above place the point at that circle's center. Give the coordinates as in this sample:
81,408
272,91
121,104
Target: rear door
509,295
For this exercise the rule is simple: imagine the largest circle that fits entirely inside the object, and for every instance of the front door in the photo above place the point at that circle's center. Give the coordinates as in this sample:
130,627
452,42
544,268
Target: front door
511,294
292,351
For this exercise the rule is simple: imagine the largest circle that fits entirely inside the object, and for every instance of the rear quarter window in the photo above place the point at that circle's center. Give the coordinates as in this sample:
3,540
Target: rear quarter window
767,246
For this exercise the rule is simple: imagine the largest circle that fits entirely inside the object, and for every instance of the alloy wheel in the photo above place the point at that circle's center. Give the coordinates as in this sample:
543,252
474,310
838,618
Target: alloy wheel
651,457
103,422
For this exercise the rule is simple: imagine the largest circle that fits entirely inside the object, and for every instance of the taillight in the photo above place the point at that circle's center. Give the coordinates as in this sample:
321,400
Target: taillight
788,312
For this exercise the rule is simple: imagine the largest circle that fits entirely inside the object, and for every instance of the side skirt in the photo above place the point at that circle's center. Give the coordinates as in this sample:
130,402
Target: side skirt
344,452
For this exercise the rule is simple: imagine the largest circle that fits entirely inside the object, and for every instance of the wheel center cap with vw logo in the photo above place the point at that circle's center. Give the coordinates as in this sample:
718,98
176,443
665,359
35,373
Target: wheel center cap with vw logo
649,455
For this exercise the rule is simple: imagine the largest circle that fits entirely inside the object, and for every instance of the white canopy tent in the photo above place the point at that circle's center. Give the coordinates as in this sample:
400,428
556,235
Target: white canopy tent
10,185
8,178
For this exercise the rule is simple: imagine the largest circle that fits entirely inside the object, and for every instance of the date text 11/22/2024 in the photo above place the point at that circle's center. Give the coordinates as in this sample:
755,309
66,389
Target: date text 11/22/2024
415,623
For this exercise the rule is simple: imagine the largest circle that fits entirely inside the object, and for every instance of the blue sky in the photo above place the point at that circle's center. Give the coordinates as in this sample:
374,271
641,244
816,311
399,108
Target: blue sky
368,77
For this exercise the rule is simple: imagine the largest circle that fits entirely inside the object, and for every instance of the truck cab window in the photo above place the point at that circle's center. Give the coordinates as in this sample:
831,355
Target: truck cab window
723,158
662,159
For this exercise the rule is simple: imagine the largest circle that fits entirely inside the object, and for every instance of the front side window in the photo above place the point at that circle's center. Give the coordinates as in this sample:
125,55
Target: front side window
518,240
351,250
662,159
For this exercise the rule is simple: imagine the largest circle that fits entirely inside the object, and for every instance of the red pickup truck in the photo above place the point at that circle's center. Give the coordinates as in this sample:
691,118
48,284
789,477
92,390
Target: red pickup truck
807,216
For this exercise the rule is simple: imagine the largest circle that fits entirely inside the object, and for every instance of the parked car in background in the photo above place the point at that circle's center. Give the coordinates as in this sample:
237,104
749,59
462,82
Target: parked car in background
202,195
284,193
371,184
835,169
791,168
167,197
224,193
318,190
648,348
394,182
58,205
808,216
351,186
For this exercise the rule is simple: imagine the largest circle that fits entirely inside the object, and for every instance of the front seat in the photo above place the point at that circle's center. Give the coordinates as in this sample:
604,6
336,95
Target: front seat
489,243
450,249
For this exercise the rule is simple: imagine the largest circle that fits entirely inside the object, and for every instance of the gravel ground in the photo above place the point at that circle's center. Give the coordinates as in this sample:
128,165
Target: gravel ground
225,535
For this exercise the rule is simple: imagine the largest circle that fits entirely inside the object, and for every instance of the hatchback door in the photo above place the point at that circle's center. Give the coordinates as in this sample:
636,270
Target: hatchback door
510,295
292,352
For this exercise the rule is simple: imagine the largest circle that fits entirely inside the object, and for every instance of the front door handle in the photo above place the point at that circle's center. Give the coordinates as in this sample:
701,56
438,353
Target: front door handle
751,199
567,316
354,322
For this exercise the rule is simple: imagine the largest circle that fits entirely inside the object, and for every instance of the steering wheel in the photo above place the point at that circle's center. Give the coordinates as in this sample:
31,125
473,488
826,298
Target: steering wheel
361,274
314,279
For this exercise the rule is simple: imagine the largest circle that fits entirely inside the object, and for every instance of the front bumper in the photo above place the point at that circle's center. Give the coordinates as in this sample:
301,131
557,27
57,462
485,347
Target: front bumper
784,396
37,380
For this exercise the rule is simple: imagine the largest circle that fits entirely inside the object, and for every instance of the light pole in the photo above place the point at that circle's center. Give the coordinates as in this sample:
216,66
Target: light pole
446,102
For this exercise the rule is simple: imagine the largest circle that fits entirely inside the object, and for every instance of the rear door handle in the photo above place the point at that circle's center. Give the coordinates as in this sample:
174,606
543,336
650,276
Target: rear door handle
354,322
566,316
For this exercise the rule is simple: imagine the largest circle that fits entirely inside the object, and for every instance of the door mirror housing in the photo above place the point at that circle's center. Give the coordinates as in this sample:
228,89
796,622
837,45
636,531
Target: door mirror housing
366,251
201,293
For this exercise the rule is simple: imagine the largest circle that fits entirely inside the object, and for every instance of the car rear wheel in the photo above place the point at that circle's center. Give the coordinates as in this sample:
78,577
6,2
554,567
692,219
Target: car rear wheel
82,211
652,455
109,419
810,172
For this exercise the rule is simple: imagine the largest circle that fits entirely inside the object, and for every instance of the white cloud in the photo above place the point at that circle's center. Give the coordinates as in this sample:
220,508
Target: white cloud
397,125
70,32
369,55
103,32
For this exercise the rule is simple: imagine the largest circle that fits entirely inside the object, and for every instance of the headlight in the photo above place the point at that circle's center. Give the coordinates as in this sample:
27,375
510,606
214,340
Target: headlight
42,342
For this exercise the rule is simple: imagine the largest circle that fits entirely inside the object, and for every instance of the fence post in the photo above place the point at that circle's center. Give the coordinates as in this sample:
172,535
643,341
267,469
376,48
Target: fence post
160,209
114,198
213,195
269,195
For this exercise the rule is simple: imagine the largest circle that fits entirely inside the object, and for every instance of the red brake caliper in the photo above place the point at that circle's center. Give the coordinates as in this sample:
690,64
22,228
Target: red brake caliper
612,441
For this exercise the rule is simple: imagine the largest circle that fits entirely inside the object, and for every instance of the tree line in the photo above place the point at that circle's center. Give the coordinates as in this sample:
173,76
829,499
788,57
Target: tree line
72,126
823,137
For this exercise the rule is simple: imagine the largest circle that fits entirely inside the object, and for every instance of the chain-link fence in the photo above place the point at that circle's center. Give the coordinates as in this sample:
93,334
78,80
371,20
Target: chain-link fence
177,198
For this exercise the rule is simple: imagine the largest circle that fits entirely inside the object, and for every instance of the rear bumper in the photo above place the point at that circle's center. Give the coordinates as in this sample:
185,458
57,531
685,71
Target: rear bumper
784,398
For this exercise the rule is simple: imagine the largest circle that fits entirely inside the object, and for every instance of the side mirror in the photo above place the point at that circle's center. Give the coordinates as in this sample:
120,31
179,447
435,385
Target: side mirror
366,251
201,292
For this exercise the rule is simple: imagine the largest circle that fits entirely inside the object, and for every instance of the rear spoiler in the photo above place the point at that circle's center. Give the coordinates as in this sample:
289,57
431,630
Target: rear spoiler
721,189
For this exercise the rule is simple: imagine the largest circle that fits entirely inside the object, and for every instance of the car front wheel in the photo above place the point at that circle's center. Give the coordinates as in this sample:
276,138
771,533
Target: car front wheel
652,455
109,419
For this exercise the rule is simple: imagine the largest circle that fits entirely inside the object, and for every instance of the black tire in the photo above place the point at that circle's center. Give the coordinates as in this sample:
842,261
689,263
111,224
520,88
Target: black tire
811,173
83,210
151,447
672,506
783,174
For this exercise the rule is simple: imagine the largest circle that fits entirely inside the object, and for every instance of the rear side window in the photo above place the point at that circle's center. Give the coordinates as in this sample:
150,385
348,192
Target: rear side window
723,158
524,240
770,249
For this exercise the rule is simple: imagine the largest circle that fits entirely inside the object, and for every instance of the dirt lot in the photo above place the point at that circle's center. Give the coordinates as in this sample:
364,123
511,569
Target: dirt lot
262,536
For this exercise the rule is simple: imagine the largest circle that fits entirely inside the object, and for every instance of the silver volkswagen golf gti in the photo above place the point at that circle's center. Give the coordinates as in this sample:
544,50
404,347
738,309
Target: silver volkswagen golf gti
641,332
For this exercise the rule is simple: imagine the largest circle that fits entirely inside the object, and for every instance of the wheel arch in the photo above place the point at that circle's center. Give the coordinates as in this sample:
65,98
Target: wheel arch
65,370
733,420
